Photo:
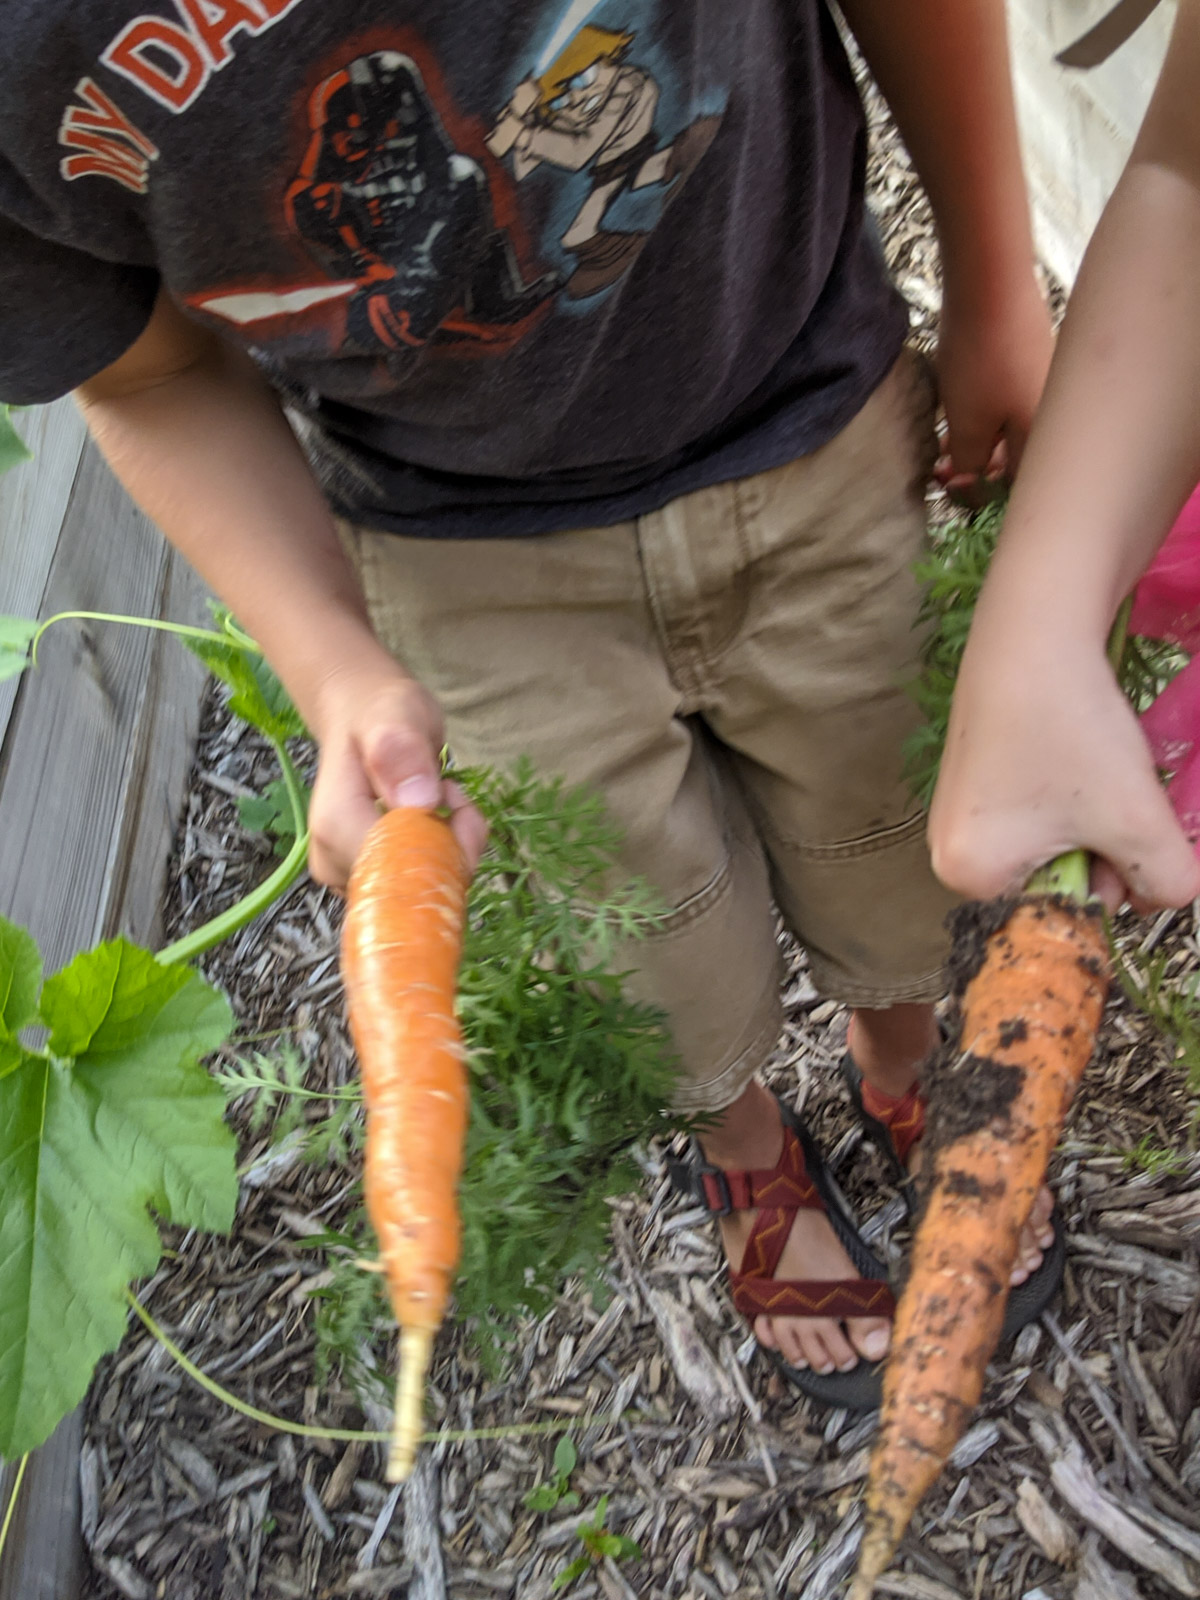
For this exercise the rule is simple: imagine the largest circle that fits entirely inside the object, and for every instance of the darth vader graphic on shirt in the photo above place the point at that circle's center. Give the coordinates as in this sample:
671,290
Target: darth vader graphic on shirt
385,198
412,212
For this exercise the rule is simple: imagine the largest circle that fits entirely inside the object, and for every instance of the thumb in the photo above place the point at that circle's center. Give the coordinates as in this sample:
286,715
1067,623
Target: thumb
403,767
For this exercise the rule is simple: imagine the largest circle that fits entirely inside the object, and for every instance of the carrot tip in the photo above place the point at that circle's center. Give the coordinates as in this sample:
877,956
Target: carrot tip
874,1558
416,1348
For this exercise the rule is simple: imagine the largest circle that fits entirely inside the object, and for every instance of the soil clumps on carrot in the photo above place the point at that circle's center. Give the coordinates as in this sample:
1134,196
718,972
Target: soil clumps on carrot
966,1093
970,926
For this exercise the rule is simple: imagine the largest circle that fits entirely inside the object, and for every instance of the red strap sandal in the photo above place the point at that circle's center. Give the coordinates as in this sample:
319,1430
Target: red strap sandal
799,1181
893,1123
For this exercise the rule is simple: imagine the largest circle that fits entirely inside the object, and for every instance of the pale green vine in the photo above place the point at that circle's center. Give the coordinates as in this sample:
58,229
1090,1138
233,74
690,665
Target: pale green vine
356,1435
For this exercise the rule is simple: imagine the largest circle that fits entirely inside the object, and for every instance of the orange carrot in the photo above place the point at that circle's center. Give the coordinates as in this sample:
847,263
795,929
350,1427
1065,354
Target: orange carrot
1029,1019
400,953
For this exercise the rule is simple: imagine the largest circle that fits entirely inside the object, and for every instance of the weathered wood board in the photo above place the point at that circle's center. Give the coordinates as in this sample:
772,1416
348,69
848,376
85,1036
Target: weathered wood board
1078,127
94,752
33,503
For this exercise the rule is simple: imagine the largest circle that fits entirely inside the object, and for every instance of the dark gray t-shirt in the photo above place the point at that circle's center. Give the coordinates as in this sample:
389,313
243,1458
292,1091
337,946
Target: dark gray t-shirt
519,264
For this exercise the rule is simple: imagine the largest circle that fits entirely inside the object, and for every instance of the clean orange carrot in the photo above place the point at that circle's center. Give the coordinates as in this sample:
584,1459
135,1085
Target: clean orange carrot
400,952
1029,1017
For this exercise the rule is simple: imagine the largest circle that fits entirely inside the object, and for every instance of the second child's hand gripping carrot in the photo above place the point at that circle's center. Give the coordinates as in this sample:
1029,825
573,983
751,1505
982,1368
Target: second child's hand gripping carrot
401,946
1029,1013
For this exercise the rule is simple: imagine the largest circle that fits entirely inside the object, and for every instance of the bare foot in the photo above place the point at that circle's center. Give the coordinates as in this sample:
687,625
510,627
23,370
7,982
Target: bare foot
750,1136
888,1046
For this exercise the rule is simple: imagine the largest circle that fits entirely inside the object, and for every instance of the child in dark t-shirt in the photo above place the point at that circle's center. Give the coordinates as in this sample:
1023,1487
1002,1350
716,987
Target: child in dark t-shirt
611,456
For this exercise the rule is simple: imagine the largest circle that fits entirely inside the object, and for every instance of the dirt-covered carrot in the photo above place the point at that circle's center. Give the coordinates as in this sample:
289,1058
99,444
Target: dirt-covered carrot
1032,997
400,955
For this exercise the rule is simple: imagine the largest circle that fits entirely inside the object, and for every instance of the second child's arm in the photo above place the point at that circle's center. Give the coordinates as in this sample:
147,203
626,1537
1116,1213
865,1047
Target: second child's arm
943,66
1043,753
200,442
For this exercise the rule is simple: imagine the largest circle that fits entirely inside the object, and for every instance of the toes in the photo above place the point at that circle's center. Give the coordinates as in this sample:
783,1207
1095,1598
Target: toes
824,1341
838,1347
1027,1264
822,1345
870,1336
790,1345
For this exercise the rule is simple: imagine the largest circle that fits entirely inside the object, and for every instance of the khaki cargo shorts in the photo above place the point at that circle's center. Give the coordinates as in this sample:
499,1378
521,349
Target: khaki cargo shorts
728,671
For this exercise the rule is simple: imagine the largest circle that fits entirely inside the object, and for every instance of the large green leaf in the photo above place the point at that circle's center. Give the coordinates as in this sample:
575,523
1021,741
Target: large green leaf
16,636
256,694
117,1118
12,446
20,979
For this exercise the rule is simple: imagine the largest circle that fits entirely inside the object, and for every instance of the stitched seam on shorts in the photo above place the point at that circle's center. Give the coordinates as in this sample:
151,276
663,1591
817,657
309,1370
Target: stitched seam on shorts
717,1092
868,844
929,986
697,905
740,579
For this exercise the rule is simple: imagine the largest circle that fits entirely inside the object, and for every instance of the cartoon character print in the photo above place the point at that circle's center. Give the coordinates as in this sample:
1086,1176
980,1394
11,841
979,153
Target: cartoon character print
384,198
593,108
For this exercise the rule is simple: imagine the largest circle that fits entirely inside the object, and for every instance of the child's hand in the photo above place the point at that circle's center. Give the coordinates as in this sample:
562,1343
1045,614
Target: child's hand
992,365
380,735
1045,755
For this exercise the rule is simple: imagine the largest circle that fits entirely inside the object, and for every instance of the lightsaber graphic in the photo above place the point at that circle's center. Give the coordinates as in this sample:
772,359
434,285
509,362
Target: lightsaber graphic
257,305
573,19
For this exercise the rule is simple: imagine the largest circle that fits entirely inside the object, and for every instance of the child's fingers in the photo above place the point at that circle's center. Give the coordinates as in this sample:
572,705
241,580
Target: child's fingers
343,808
1160,868
1109,887
973,490
468,823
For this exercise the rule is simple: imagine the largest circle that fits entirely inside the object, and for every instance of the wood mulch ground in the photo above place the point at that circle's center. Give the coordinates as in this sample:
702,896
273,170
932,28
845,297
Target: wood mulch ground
1079,1478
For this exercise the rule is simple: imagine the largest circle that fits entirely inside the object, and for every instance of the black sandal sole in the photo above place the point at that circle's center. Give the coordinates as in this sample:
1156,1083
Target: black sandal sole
861,1389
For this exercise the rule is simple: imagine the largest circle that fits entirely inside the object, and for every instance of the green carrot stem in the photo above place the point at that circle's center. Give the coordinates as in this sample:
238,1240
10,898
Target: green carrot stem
353,1435
1069,876
252,905
1119,637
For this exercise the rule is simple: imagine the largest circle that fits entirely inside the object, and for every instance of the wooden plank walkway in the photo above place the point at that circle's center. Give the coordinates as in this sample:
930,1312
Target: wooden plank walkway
94,753
1078,127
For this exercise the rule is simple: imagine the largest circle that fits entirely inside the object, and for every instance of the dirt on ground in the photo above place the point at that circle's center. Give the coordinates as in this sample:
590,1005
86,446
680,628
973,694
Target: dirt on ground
1078,1480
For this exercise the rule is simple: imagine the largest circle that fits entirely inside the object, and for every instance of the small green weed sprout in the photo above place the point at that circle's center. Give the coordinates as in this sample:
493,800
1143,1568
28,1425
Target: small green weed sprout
1153,1159
556,1490
599,1545
1173,1005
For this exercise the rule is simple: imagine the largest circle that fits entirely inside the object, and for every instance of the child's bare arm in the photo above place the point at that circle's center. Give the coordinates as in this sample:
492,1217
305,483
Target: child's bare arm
1043,753
944,68
200,442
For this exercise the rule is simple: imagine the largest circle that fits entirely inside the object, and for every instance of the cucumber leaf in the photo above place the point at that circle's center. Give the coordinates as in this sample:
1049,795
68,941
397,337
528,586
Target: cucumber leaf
13,449
20,979
255,693
16,636
117,1118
